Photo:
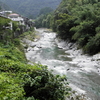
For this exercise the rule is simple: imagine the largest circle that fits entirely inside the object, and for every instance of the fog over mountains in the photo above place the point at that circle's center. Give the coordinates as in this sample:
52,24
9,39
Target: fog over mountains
30,7
4,6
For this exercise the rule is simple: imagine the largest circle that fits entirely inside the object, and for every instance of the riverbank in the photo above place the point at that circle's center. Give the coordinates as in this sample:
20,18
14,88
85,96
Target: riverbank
89,65
84,61
22,81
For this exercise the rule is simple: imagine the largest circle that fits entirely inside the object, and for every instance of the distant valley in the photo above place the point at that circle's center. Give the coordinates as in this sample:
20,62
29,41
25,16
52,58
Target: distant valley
3,6
30,8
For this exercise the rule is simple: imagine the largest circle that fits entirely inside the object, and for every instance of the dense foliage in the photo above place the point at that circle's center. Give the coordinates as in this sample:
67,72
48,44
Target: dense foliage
45,10
30,8
22,81
5,33
19,80
77,21
8,33
43,21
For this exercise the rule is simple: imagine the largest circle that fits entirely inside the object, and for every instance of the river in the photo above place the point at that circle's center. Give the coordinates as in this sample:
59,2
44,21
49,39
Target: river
83,71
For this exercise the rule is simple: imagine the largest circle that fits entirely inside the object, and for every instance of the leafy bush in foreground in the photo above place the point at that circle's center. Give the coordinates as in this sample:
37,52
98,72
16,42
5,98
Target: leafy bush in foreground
21,81
43,85
10,87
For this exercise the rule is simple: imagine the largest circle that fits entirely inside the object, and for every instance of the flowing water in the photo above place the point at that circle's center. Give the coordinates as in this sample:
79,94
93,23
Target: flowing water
82,76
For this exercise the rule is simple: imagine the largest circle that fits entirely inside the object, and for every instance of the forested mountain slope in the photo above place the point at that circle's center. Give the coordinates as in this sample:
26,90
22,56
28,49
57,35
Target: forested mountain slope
31,7
3,6
77,21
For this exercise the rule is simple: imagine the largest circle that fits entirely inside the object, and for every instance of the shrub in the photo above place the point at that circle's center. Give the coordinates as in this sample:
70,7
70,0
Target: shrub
43,85
16,41
9,87
93,42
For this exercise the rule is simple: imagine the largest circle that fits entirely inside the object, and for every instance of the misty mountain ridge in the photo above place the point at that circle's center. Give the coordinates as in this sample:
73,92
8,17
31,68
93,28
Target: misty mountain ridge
4,6
31,7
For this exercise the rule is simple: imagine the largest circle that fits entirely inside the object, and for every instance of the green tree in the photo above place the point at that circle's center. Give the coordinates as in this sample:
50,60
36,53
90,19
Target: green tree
43,85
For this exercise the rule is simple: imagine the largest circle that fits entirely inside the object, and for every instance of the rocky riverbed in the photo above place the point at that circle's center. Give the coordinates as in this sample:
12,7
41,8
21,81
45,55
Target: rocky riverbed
83,71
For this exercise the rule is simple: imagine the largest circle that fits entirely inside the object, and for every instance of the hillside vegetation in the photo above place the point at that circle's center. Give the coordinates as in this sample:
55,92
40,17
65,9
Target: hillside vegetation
76,21
22,81
31,8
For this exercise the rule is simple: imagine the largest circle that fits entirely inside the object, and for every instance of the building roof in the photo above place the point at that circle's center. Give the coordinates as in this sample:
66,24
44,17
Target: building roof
13,15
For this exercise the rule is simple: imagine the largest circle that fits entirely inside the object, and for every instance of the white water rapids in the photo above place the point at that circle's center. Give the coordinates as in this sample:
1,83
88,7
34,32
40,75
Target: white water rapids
83,71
